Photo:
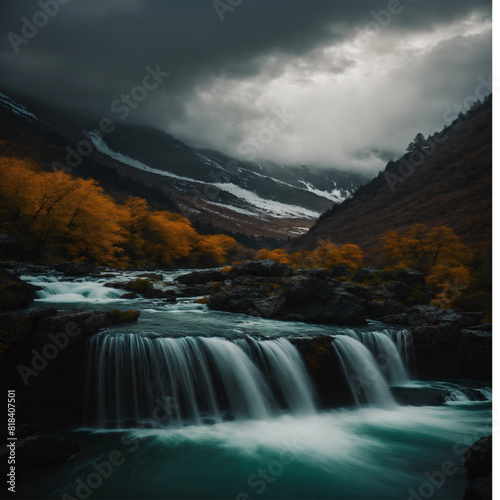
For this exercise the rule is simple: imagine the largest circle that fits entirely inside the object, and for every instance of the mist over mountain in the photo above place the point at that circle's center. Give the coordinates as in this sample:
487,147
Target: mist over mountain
442,180
213,190
318,82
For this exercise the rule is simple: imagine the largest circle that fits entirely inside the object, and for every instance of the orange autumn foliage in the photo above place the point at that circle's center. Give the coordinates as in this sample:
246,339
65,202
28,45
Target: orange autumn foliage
278,255
326,255
216,250
437,252
57,216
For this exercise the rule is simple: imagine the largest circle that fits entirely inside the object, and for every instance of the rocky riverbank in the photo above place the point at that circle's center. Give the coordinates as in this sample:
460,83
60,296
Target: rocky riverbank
44,358
446,344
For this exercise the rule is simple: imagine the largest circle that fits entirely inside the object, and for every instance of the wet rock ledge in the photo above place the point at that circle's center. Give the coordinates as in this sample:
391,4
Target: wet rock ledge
44,356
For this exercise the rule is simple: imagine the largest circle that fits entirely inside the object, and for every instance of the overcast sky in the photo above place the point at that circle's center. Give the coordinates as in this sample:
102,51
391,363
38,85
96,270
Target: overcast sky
322,82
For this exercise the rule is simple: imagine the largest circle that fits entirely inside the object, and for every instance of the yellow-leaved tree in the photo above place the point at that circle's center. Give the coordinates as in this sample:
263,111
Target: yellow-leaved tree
216,250
156,237
55,215
437,252
327,255
277,254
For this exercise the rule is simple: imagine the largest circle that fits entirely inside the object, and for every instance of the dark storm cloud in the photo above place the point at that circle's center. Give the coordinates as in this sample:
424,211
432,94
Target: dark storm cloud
222,73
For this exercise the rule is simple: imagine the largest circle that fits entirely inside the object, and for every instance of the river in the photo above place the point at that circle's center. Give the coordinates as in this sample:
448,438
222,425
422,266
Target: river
235,416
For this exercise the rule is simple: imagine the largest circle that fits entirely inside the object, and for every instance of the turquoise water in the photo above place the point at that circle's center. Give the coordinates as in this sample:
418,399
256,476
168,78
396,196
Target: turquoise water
363,453
350,453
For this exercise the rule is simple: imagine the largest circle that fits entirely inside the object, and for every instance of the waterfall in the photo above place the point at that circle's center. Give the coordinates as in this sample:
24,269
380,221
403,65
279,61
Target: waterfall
284,369
386,355
365,380
137,379
404,342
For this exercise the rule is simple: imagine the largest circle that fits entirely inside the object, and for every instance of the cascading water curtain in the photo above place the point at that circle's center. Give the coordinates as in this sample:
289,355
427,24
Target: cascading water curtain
362,374
132,378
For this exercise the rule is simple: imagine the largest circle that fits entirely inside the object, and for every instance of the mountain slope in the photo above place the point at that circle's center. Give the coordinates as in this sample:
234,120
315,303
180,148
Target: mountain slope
452,187
211,189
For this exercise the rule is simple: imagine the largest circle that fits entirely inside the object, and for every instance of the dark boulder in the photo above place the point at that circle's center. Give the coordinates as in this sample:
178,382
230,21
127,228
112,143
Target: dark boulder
325,370
298,298
14,292
478,352
478,457
411,276
398,289
77,268
85,323
265,268
15,328
117,317
366,274
480,488
270,307
201,277
239,296
319,274
423,316
139,285
321,302
191,291
478,462
360,291
338,271
378,309
42,313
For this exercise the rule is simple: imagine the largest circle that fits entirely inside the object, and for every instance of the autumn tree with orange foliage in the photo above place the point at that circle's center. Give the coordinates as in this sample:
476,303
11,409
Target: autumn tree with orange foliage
57,216
325,255
278,255
437,252
156,237
214,250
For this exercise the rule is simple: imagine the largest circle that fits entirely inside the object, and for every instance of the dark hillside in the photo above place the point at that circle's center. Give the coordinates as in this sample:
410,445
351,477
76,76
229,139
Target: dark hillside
446,180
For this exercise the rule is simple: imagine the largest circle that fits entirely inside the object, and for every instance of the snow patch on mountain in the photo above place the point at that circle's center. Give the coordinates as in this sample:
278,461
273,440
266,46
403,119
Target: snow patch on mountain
336,195
102,147
19,109
269,207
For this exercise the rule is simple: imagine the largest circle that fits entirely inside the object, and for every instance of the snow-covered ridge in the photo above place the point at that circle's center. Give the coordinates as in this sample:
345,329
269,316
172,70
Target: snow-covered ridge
269,207
260,205
337,195
102,147
17,108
